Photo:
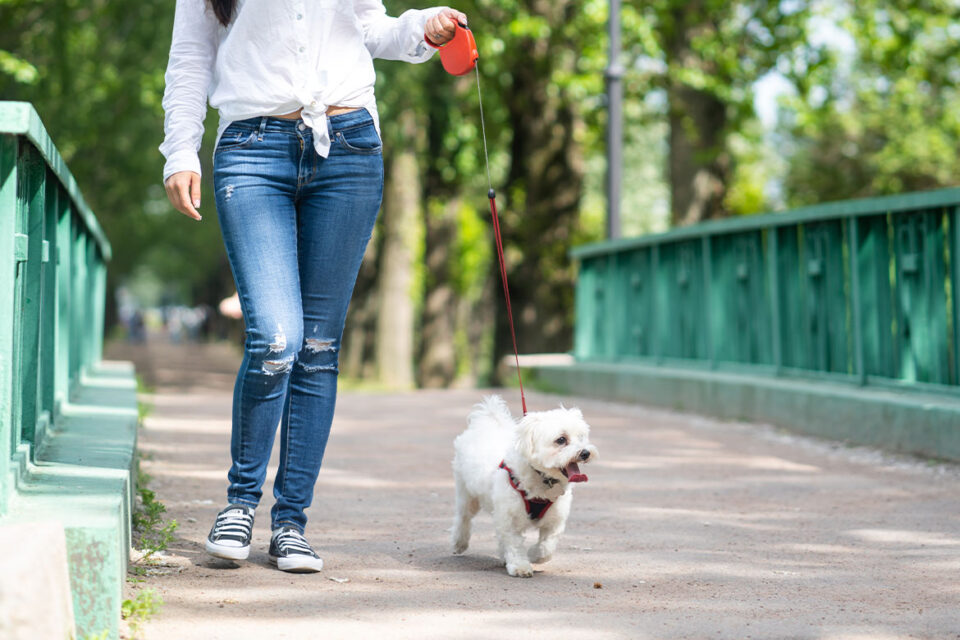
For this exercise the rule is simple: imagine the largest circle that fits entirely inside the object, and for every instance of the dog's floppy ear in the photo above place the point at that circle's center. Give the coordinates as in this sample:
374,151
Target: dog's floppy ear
526,432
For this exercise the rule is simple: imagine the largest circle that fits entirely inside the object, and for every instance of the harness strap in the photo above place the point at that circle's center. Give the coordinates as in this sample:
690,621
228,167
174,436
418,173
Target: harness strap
536,507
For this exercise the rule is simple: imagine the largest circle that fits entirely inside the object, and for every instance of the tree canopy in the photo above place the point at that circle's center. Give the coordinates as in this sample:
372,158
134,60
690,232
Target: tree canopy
871,109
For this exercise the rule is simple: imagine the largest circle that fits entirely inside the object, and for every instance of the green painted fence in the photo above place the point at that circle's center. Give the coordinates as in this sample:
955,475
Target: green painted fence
861,290
840,320
67,420
54,255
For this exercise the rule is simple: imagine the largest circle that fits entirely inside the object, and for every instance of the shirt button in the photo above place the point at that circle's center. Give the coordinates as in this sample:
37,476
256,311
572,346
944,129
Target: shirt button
313,103
300,49
299,16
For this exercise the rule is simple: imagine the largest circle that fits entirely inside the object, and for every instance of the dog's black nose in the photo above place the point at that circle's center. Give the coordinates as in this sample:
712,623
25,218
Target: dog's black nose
584,454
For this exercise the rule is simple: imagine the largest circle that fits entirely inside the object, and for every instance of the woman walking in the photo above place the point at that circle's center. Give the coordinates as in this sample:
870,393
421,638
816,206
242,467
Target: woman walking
298,177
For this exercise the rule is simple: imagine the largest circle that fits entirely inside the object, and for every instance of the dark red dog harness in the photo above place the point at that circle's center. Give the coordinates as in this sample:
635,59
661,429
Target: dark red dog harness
536,507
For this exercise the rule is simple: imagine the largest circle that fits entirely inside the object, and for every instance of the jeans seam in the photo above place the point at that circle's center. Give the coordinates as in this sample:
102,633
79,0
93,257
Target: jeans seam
351,127
363,151
286,442
295,525
243,381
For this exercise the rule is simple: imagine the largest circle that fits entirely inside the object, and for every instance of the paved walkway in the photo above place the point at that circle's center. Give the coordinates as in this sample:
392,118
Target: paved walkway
688,528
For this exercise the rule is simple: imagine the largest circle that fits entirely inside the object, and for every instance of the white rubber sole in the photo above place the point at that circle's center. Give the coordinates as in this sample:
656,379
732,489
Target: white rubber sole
225,552
298,564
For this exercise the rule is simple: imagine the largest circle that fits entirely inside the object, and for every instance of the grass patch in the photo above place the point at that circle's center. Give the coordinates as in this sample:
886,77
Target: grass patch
144,408
152,534
140,609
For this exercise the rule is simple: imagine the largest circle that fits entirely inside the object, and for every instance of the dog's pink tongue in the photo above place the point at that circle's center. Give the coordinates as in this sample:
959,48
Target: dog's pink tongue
573,473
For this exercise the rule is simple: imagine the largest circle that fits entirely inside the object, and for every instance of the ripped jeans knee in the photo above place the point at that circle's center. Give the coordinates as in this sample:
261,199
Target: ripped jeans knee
277,356
275,366
271,351
319,354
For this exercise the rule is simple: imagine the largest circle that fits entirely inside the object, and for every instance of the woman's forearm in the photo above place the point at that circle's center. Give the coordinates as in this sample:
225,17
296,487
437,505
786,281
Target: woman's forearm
193,51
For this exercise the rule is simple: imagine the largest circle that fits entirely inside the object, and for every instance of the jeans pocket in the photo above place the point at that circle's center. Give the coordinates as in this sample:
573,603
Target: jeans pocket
362,140
236,139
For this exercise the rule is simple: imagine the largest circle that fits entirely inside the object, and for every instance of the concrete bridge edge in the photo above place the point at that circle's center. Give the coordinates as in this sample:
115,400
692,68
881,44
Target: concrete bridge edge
76,490
908,422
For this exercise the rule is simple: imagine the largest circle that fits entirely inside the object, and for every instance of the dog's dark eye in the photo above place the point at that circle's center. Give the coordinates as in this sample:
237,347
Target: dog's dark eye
561,441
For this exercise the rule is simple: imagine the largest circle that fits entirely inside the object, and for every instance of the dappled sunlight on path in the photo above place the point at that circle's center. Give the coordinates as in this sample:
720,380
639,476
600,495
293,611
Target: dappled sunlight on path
688,528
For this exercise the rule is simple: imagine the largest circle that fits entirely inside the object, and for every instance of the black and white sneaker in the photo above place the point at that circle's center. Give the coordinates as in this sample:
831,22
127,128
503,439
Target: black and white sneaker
290,551
229,537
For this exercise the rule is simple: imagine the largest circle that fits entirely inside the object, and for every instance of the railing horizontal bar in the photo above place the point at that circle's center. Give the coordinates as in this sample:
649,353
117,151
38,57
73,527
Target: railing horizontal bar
738,368
21,119
817,213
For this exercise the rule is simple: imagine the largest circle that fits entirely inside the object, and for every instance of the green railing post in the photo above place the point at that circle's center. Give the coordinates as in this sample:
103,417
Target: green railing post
853,253
708,300
854,290
772,260
67,419
955,289
8,262
63,259
656,349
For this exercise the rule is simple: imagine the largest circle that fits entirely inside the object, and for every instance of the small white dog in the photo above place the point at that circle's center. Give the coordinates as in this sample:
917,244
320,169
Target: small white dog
520,473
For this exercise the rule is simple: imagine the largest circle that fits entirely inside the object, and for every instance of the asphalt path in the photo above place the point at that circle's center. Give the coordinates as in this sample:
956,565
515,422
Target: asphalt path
688,528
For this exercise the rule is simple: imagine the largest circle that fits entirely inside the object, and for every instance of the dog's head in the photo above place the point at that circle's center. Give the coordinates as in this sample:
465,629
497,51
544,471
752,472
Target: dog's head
556,442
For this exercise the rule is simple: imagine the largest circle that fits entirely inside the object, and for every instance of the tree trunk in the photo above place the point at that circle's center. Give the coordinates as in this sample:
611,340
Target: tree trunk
438,356
401,229
545,184
438,361
699,161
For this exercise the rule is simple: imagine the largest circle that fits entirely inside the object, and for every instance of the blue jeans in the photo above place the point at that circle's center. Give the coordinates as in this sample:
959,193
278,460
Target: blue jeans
295,226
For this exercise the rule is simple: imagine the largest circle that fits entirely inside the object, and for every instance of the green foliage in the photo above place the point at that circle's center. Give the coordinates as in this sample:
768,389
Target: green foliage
152,533
18,69
885,117
144,408
140,609
706,56
94,71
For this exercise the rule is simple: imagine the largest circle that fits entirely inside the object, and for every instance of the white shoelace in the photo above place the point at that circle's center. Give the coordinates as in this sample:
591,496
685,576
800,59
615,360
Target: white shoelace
235,522
292,542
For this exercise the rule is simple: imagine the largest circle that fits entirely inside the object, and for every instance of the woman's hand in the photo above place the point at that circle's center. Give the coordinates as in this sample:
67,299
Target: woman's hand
183,189
440,28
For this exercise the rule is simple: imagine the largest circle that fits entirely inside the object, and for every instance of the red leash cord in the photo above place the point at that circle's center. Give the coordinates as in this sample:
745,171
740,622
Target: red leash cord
458,57
492,196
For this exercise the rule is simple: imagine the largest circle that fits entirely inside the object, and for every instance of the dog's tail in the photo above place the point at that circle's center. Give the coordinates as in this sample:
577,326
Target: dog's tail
492,407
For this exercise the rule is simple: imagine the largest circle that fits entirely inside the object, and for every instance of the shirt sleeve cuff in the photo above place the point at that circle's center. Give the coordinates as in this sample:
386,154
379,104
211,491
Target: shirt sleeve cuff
186,160
422,51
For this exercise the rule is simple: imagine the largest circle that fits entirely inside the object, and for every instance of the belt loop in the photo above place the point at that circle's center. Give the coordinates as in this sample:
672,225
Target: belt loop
263,125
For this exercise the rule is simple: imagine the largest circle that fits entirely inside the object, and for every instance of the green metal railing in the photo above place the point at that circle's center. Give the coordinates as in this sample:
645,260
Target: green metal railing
52,284
861,290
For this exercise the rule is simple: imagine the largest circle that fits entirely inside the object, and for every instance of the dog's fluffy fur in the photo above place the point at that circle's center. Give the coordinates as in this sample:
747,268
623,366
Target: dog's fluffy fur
542,450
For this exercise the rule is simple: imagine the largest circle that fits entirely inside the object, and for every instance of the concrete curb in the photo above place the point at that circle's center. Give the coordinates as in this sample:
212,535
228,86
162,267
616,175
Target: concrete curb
35,599
916,423
80,478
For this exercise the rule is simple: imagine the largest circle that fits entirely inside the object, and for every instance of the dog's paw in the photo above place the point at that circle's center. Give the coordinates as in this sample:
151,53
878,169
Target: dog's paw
538,555
520,570
459,546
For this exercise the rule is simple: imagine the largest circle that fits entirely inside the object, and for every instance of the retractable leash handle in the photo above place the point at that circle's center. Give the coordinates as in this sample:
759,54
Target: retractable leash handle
459,57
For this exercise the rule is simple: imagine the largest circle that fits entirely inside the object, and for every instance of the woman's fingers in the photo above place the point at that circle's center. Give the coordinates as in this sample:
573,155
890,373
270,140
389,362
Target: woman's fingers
441,28
183,191
456,16
195,190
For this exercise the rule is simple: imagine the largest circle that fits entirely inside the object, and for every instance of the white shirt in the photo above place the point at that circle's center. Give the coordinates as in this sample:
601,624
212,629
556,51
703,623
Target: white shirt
275,57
